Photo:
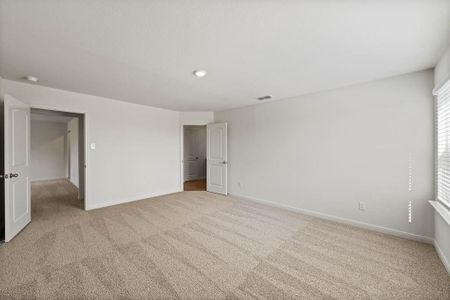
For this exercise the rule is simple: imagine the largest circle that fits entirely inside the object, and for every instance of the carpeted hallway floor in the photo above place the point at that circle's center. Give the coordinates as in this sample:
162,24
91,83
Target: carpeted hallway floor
199,245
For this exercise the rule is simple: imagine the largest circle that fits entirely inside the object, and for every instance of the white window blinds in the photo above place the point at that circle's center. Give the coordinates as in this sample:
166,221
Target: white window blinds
443,143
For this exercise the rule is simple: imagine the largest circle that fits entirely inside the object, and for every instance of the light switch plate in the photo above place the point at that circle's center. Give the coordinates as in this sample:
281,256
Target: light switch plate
93,146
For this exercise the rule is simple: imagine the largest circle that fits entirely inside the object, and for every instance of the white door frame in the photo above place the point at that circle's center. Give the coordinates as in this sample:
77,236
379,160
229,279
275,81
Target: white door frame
182,148
86,146
68,152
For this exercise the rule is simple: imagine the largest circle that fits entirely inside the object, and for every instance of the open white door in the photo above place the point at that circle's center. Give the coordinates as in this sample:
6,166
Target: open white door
17,166
216,158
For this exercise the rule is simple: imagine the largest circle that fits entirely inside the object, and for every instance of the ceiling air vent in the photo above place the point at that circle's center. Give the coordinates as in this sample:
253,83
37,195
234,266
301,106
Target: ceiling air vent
264,98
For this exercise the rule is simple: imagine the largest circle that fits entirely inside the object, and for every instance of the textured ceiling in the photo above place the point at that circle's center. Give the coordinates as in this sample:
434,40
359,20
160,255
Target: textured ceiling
145,51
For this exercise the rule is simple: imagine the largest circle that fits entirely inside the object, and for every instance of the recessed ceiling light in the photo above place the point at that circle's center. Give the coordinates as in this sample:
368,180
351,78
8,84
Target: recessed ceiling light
264,98
200,73
31,78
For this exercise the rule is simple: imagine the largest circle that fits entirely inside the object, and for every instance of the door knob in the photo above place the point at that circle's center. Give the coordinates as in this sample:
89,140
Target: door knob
224,162
12,175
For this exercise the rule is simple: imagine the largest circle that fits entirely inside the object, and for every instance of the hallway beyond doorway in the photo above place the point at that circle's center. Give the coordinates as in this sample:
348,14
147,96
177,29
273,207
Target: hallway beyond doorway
195,185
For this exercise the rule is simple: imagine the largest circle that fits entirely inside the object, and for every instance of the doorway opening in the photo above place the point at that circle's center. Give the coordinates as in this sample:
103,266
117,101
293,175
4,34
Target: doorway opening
194,158
57,162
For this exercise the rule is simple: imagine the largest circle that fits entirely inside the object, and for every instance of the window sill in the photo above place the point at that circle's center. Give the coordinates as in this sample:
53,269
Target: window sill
443,211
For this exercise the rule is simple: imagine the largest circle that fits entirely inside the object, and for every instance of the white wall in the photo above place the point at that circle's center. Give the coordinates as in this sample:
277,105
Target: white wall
196,118
442,238
72,127
442,69
327,151
441,226
48,150
137,151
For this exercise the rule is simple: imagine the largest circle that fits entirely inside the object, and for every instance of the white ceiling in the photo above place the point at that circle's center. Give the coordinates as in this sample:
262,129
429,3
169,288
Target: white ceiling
145,51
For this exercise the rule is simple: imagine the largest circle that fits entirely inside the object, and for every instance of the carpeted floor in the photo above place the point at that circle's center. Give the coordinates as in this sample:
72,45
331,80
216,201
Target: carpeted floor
199,245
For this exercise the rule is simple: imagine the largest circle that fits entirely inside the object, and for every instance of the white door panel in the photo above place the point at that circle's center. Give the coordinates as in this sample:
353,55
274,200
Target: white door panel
17,166
216,178
217,156
191,171
19,153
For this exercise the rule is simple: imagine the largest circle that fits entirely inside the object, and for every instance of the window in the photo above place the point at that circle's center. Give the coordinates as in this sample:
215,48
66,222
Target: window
443,144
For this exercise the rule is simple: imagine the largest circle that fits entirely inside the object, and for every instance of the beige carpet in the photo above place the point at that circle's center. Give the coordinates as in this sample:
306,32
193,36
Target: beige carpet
198,245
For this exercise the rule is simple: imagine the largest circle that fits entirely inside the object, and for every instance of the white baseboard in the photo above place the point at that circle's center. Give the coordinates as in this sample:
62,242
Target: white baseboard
394,232
442,256
89,206
48,179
